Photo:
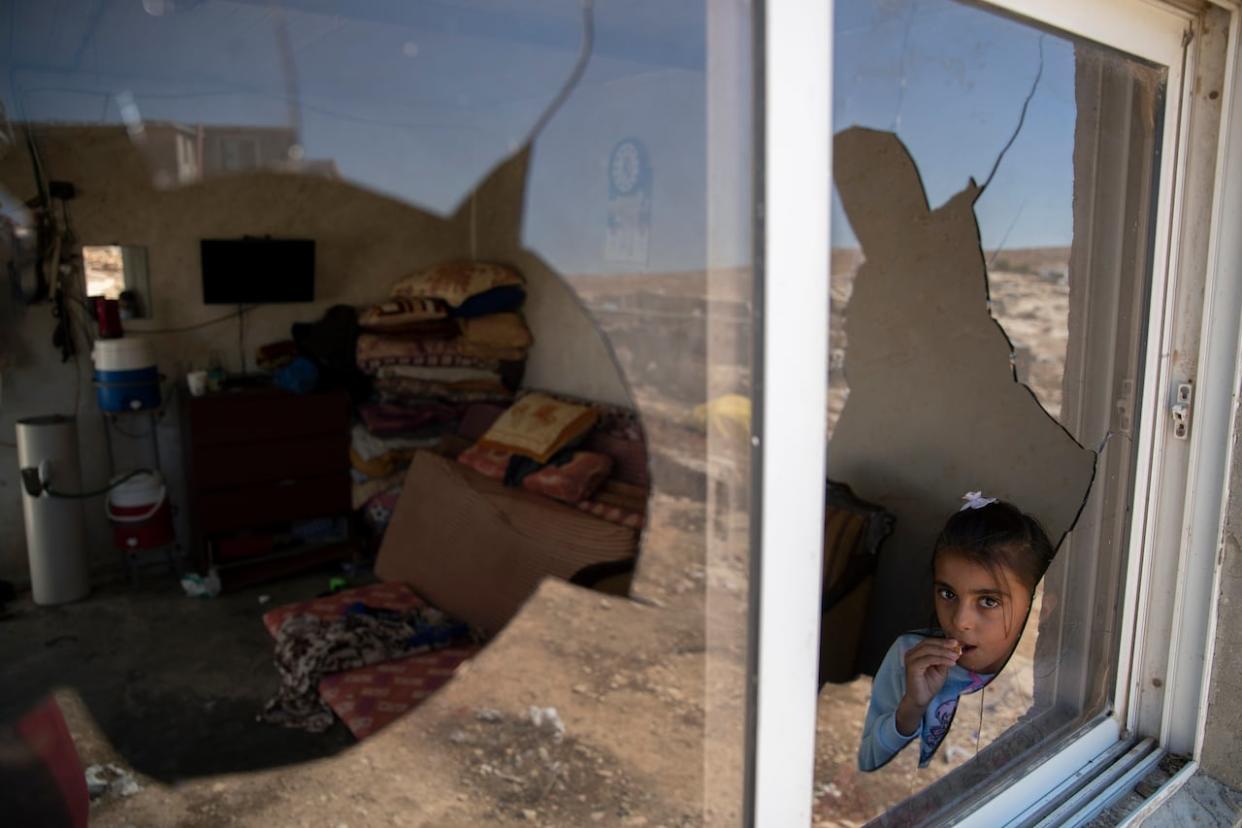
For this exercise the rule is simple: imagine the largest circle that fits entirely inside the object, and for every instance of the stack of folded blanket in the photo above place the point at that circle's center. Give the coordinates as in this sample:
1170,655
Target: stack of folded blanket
447,337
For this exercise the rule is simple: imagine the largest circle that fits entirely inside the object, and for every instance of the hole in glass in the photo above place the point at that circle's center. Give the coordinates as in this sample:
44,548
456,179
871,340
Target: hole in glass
1038,279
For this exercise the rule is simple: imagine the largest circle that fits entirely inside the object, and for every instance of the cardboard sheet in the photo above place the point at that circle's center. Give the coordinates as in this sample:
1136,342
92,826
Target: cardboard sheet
477,550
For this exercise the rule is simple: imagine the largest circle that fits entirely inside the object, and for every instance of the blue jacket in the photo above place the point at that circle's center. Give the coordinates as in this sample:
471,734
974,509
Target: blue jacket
881,740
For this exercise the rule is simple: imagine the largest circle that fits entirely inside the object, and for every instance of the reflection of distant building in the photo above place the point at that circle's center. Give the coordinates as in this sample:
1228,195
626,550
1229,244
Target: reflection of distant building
179,154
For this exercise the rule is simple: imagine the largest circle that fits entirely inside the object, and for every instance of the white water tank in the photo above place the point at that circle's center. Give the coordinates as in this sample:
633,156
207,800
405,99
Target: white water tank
55,537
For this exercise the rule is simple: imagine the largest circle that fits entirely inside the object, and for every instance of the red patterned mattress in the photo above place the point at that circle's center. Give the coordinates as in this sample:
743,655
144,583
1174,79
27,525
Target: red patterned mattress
386,595
369,698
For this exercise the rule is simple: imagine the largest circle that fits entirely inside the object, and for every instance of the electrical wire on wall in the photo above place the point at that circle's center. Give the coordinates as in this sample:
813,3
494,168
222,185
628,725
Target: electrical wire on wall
194,326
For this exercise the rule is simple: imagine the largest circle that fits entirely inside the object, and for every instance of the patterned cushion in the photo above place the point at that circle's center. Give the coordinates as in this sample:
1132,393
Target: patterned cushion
369,698
437,373
488,462
575,480
406,315
538,426
464,391
455,282
387,595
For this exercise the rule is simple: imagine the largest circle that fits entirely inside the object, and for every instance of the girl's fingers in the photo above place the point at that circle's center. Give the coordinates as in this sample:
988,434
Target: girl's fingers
931,652
947,645
923,662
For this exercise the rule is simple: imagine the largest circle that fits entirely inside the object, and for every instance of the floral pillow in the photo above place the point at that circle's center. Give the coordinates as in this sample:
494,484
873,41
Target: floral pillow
455,282
488,462
573,481
403,314
538,426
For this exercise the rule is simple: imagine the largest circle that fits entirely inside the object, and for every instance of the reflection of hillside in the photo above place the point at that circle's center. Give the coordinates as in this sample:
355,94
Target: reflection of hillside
680,339
1029,299
1029,290
677,338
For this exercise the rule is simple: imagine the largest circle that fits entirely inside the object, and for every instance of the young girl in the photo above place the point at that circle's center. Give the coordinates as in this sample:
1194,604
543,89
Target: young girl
985,565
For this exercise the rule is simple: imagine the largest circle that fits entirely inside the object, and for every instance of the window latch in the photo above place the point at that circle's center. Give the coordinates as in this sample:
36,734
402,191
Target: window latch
1181,410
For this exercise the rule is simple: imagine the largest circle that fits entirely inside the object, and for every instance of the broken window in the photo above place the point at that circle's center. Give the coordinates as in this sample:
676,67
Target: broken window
594,148
991,257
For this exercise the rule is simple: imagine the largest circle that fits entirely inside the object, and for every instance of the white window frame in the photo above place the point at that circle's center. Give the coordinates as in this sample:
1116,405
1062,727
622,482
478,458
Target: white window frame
795,151
1181,511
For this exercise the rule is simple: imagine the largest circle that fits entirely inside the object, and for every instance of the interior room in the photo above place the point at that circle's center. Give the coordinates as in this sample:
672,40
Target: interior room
254,297
386,393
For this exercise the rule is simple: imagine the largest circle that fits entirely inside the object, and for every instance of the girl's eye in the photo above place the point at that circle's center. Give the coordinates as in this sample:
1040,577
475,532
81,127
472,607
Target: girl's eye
988,602
945,594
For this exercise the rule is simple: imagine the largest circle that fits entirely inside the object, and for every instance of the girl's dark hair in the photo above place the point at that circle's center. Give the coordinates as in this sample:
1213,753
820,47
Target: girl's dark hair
998,534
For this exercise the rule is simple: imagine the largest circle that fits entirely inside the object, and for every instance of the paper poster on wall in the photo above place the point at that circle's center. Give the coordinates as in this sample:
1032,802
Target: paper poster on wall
629,203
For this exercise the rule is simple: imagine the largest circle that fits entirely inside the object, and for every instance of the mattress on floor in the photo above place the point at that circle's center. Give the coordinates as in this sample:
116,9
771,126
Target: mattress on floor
369,698
372,697
392,596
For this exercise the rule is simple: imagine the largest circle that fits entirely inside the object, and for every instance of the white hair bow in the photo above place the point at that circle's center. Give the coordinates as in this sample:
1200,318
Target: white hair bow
976,500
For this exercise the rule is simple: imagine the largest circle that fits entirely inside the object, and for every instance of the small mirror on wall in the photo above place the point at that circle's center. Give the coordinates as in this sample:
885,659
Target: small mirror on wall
116,271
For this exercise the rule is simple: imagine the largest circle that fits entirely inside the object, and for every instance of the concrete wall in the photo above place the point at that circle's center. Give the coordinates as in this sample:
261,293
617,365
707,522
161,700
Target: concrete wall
364,243
1221,754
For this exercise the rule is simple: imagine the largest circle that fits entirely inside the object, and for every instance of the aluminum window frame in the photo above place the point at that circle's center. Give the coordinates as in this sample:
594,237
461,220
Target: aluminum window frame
793,100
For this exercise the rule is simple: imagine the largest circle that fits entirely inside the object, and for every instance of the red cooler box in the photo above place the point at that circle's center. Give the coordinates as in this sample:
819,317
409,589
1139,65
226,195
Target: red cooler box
140,514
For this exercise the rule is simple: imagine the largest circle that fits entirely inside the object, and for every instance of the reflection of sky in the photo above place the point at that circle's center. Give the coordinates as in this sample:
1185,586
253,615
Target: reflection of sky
413,99
953,94
419,99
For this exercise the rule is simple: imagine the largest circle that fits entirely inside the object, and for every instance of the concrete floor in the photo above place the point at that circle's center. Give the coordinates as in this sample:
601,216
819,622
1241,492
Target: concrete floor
172,683
1203,802
167,687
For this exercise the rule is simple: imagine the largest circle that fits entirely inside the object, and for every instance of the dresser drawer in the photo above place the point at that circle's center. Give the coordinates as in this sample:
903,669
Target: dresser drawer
245,507
260,416
229,465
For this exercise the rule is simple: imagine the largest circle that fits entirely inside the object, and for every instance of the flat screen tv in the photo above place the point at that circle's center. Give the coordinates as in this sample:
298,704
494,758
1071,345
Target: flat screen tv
251,271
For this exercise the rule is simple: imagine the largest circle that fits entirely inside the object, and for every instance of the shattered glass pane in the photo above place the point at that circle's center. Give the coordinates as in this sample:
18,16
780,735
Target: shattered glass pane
1006,126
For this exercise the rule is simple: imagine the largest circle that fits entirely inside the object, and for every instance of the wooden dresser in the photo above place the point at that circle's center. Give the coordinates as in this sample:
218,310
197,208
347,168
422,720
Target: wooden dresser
257,461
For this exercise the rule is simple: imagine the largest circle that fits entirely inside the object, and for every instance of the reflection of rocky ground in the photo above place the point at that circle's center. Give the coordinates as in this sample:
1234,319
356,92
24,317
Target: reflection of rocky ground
681,339
1033,308
1030,300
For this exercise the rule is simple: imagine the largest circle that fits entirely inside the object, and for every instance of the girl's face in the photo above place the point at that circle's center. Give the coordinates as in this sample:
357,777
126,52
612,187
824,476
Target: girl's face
983,609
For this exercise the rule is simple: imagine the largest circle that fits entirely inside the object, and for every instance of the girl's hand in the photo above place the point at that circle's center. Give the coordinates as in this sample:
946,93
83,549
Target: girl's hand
927,667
